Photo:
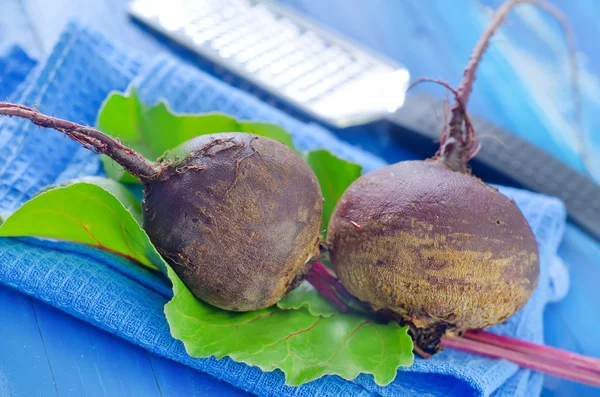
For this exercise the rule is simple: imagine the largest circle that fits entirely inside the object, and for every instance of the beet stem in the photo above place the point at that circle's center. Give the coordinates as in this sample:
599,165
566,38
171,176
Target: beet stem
560,368
524,347
325,289
471,137
330,279
459,146
88,137
330,288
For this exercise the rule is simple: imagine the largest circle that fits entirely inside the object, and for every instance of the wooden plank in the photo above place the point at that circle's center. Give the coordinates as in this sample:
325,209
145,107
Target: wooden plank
572,323
177,380
16,29
90,362
69,357
24,366
93,362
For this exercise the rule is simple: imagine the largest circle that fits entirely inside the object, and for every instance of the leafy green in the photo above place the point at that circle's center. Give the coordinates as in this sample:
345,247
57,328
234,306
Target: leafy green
334,175
303,346
306,342
152,130
128,199
305,296
86,213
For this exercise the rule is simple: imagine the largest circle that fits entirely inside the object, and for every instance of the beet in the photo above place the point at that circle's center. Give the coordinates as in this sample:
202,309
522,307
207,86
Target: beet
238,220
438,247
236,215
428,243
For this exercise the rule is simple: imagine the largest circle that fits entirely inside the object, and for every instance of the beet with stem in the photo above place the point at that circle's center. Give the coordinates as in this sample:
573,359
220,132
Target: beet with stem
236,215
436,246
427,244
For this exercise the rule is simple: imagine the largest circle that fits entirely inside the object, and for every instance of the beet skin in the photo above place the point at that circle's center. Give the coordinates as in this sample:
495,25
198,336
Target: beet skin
237,216
438,247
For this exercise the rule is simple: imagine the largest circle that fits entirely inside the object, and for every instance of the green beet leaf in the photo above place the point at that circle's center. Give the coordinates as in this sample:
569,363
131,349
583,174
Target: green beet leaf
267,130
152,130
303,346
86,213
305,296
122,193
303,336
335,175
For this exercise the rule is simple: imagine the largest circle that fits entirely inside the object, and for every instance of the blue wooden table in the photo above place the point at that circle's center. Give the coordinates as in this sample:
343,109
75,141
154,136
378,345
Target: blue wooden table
44,352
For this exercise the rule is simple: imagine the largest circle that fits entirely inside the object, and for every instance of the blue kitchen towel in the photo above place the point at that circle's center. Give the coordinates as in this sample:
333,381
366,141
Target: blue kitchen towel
82,69
15,66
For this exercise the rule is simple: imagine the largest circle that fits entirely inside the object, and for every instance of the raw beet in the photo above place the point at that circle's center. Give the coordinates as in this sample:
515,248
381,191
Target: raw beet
428,243
237,217
437,247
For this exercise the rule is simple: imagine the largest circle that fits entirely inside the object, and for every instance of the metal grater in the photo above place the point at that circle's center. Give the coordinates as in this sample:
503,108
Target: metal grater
323,75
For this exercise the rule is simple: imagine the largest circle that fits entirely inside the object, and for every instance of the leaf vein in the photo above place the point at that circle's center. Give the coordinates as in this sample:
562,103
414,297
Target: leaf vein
347,341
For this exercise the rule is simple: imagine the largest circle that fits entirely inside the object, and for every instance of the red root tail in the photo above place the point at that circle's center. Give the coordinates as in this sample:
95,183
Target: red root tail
541,358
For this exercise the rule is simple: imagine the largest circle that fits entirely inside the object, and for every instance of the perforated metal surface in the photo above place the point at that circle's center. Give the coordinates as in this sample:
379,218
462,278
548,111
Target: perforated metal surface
327,76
